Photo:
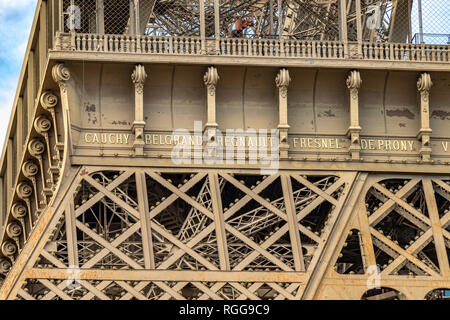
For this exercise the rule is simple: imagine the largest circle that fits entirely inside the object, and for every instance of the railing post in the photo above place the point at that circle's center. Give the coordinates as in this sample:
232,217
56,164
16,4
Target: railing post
132,30
202,26
217,24
138,17
343,35
359,30
100,17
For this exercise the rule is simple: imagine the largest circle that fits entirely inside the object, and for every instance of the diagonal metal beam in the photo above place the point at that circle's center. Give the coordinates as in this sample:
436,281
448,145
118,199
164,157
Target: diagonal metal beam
436,226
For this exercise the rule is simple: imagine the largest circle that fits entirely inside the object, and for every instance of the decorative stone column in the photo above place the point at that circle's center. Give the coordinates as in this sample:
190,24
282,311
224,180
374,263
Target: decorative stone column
353,84
211,78
424,85
282,81
139,76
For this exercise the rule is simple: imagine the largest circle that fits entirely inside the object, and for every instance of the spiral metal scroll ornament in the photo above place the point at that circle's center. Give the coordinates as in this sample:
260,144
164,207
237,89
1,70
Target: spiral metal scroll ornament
5,266
13,230
61,75
42,125
24,190
49,100
19,210
36,148
9,248
30,169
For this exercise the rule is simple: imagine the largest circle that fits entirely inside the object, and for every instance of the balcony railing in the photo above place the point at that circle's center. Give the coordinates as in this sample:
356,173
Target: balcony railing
242,47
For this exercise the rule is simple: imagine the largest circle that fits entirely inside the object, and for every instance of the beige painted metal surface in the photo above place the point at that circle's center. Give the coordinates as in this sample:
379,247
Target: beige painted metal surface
90,192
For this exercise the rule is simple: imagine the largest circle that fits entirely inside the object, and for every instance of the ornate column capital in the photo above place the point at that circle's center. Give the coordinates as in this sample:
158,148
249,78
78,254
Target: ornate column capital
211,78
139,76
424,82
282,81
61,75
354,82
424,85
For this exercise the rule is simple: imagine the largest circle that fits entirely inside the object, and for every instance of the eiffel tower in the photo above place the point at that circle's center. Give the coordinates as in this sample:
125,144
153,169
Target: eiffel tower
335,183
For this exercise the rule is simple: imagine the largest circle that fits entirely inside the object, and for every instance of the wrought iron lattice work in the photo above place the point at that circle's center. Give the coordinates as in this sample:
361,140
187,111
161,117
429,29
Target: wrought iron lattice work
381,20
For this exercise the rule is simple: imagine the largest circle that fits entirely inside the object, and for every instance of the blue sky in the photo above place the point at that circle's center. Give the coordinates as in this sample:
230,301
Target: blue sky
16,17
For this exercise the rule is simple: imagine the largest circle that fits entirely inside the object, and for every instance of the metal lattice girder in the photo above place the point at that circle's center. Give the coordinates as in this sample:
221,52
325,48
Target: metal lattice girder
376,20
269,226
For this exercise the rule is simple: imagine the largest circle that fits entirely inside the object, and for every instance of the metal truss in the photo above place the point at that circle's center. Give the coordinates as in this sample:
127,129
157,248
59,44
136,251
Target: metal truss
254,236
379,20
173,234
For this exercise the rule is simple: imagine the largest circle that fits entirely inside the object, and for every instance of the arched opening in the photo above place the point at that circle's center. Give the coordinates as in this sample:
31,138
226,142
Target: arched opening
438,294
383,293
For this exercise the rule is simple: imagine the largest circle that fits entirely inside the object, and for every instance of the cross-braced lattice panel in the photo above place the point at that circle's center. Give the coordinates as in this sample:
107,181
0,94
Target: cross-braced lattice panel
249,19
311,20
122,222
401,214
169,17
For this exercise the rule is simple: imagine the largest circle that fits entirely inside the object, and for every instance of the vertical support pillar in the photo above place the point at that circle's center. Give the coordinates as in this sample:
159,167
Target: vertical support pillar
20,129
424,85
219,221
280,19
61,16
217,24
292,222
100,17
42,39
359,29
353,84
31,85
139,76
9,170
211,78
147,241
2,205
71,234
137,13
282,81
343,34
202,25
132,30
271,31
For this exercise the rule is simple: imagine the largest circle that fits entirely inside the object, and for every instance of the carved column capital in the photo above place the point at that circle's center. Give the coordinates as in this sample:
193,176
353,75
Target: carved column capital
211,78
282,81
424,82
61,75
354,83
139,76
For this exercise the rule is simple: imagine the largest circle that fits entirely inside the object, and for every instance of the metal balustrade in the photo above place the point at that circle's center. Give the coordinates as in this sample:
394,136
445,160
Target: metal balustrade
244,47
